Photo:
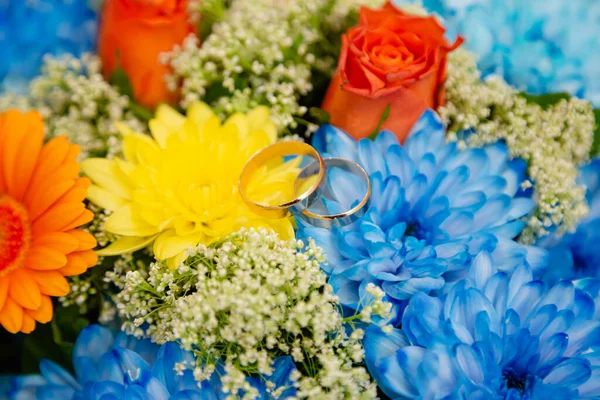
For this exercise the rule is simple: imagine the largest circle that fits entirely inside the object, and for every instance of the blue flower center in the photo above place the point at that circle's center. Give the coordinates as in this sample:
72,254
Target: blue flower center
516,380
414,229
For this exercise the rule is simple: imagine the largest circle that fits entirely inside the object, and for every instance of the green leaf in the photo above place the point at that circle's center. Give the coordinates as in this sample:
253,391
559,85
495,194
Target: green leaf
384,116
214,92
545,100
321,116
141,111
596,144
120,80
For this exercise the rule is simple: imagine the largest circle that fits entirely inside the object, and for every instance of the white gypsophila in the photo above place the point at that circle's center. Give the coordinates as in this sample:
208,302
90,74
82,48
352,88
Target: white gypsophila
246,301
262,52
554,141
76,101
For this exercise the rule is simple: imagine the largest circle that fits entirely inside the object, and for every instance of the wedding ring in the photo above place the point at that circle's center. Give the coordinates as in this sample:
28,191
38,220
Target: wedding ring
270,153
340,218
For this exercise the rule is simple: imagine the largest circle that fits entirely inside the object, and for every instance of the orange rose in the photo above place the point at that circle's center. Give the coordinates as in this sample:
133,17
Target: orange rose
132,35
390,59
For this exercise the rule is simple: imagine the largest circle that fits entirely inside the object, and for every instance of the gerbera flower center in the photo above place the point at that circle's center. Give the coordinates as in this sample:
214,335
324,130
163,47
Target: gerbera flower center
15,234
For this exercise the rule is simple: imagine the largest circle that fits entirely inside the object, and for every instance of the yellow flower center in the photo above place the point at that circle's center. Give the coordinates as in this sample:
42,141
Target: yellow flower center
15,234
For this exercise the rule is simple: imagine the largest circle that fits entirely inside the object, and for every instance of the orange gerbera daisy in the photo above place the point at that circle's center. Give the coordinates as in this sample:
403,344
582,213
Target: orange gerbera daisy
41,205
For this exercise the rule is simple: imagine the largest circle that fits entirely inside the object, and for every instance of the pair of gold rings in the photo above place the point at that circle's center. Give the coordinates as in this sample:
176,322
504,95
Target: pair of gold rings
310,185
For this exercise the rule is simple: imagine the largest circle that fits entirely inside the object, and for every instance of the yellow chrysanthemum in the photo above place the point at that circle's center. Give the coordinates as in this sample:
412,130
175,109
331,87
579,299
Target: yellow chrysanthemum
179,189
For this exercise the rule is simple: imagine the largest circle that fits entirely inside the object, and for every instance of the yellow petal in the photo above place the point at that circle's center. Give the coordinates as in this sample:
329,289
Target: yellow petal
240,121
167,122
175,262
104,198
259,120
169,116
169,244
107,175
140,149
199,113
124,221
126,245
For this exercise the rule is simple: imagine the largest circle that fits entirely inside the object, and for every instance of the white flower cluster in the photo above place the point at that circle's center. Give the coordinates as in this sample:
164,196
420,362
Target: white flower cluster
245,301
260,52
76,101
554,140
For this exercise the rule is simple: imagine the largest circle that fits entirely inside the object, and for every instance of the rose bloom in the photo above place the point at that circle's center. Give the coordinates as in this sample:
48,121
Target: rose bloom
133,33
389,59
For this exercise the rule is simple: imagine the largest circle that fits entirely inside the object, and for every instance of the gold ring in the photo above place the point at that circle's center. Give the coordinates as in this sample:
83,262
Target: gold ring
346,217
261,158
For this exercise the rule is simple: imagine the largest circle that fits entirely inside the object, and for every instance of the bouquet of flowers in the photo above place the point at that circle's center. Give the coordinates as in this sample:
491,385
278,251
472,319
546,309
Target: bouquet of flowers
319,199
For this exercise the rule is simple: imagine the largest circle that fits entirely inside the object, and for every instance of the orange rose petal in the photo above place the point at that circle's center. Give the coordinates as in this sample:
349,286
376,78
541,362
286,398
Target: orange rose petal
132,36
4,284
61,241
24,290
28,324
44,313
52,283
86,240
44,258
11,316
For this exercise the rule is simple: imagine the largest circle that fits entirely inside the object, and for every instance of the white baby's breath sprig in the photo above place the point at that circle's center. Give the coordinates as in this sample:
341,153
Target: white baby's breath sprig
244,302
76,101
554,141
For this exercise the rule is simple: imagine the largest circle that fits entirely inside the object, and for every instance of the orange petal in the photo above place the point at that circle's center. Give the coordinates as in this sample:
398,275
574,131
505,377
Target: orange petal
51,157
85,217
51,283
37,203
86,240
60,241
57,217
44,258
44,313
11,316
27,154
24,290
89,256
76,265
28,324
4,283
78,192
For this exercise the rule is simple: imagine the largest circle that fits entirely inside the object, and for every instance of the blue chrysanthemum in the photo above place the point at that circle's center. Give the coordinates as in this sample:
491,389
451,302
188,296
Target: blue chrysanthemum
492,337
542,46
117,366
30,29
433,208
576,255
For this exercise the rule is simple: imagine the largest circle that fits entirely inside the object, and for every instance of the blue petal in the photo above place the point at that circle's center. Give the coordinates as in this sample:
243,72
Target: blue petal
332,140
406,289
55,374
92,343
570,373
399,373
469,362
